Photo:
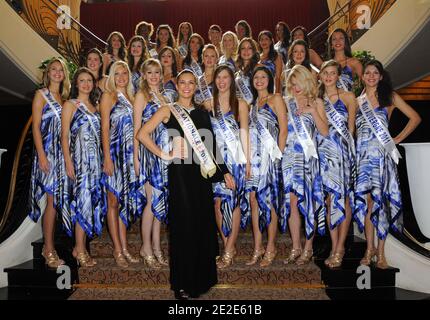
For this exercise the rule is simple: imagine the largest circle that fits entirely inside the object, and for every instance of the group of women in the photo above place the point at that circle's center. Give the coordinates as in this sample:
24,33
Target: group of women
227,134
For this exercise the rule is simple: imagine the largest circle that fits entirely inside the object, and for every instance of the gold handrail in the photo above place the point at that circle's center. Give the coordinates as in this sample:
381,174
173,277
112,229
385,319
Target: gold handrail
12,185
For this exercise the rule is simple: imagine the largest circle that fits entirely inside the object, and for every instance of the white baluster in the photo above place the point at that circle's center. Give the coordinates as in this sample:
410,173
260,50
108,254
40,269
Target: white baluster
1,152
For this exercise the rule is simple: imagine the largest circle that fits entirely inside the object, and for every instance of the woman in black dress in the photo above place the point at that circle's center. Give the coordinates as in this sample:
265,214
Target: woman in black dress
193,232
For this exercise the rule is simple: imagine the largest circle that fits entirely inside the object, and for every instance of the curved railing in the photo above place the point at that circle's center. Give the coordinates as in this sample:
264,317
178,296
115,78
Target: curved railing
70,42
19,183
350,13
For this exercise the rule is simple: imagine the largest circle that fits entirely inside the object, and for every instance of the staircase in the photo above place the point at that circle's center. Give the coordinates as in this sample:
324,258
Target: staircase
342,282
34,280
279,282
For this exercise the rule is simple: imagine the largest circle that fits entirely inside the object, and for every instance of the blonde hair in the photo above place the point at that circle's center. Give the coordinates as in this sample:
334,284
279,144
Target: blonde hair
305,79
143,85
65,84
110,82
236,44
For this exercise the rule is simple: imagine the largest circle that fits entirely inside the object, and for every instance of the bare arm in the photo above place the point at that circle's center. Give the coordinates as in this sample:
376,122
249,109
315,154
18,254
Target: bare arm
407,110
139,105
106,61
244,133
315,58
144,134
37,108
352,106
357,67
66,118
105,109
279,68
320,117
281,113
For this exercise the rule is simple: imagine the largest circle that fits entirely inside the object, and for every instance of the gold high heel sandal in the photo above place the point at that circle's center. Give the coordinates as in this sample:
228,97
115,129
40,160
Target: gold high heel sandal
226,260
130,258
85,260
381,262
294,254
120,260
305,257
162,260
336,262
150,260
258,254
368,257
52,259
268,258
329,259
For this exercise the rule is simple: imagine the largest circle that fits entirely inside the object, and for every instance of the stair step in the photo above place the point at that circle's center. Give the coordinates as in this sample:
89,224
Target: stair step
216,293
355,247
107,272
36,293
63,246
245,248
36,274
347,278
388,293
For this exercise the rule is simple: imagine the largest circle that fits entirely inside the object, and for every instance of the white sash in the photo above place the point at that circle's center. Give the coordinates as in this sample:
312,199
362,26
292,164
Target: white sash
315,68
195,67
269,144
52,103
183,50
303,135
156,100
378,129
205,93
207,165
337,121
86,112
233,145
153,53
124,101
243,89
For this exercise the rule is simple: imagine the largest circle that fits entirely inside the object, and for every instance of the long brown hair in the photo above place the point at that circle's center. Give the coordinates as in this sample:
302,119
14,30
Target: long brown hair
254,60
143,57
122,52
180,37
233,101
325,65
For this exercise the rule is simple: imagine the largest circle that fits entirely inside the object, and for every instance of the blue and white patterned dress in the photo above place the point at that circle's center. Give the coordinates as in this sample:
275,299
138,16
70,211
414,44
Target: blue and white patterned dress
377,175
230,199
246,79
302,178
123,183
51,183
337,164
153,169
283,51
270,64
347,79
169,91
266,176
229,62
199,97
183,49
83,198
198,71
135,80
